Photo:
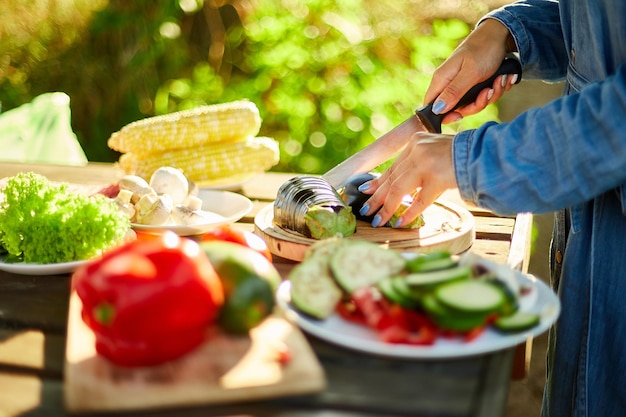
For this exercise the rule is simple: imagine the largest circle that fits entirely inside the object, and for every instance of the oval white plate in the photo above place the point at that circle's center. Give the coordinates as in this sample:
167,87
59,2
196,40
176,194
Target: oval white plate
338,331
222,207
40,269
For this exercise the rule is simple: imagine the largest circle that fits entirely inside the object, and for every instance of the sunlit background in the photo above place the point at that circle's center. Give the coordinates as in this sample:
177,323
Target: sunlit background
327,76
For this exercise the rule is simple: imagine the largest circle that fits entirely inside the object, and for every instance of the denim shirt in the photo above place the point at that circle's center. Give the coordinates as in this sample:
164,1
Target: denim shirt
569,154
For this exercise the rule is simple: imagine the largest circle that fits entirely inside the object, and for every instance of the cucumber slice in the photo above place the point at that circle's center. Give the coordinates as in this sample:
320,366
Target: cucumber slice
431,262
427,281
471,296
363,263
401,286
391,293
518,321
449,319
313,289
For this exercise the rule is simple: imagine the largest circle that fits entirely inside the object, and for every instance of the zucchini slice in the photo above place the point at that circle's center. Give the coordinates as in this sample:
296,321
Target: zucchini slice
363,263
313,289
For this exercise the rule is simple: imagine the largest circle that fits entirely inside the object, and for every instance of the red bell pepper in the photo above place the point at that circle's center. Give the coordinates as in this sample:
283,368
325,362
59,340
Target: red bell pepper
149,301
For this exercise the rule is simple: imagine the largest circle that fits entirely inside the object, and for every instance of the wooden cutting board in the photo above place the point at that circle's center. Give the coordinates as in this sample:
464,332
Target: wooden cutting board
447,227
225,369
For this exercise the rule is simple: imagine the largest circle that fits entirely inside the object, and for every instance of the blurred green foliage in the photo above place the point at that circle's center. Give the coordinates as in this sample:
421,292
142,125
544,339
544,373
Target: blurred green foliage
328,76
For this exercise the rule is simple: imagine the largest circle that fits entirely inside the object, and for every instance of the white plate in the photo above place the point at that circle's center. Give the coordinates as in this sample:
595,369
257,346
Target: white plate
40,269
234,186
338,331
222,207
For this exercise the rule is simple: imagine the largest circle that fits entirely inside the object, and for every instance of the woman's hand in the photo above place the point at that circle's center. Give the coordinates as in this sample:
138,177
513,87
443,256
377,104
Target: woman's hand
476,58
424,170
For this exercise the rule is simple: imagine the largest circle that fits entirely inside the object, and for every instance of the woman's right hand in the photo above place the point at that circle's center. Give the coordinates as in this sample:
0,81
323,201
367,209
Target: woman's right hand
474,61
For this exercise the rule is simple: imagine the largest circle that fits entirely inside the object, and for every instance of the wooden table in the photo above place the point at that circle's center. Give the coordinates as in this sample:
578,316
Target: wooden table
33,323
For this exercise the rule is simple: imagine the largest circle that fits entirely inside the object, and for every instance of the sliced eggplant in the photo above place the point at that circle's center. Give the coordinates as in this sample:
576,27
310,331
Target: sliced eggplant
312,207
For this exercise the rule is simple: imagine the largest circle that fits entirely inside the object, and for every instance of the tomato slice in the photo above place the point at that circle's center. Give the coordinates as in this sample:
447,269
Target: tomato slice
392,322
348,311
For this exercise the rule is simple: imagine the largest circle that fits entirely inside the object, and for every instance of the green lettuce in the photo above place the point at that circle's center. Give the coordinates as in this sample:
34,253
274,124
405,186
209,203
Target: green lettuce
42,222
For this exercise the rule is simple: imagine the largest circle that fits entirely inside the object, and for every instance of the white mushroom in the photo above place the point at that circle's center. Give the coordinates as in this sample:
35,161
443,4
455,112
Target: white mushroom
137,185
194,203
153,210
170,181
123,203
194,190
186,215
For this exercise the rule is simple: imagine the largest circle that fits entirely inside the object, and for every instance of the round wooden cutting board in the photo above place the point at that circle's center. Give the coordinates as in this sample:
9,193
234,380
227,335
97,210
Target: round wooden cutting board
447,227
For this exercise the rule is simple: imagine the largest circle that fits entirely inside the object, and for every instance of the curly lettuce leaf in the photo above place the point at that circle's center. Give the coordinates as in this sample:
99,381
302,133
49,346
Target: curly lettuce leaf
42,222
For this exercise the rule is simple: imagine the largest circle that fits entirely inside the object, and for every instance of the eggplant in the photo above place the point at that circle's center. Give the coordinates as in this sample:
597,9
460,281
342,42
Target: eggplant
351,195
313,208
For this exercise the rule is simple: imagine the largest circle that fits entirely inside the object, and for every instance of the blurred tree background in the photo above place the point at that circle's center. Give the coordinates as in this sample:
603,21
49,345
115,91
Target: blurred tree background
328,76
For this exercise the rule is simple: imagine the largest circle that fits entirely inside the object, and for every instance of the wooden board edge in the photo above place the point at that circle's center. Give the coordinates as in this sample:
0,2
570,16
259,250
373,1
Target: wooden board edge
308,377
293,247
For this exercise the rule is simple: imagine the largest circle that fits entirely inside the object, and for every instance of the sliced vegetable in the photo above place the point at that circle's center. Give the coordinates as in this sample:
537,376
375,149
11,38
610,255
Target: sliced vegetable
450,319
470,296
313,289
312,207
394,294
393,323
362,263
431,262
517,322
422,282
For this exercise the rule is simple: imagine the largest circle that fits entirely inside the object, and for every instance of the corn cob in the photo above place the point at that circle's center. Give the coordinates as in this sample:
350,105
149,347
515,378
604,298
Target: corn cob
226,122
209,164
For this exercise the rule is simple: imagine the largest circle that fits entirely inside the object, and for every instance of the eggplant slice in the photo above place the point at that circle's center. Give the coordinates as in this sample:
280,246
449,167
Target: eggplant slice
313,208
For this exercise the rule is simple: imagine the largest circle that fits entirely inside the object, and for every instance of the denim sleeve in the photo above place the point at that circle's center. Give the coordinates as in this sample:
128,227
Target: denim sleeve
548,158
536,29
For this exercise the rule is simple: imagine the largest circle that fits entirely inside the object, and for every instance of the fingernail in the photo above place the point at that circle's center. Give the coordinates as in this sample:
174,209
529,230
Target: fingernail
490,94
503,83
514,79
439,106
398,222
364,187
458,118
376,220
364,209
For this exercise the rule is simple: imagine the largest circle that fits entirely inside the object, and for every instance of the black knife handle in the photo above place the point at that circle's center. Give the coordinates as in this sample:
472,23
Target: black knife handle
432,121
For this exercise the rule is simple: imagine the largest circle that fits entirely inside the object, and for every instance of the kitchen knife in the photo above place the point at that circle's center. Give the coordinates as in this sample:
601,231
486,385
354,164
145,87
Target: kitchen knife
424,120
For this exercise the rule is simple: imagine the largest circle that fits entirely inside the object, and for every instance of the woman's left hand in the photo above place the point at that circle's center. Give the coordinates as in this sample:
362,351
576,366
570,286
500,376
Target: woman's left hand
424,170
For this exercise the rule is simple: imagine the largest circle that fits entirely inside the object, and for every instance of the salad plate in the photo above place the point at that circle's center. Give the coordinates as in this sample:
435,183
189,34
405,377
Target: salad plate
219,207
23,268
539,299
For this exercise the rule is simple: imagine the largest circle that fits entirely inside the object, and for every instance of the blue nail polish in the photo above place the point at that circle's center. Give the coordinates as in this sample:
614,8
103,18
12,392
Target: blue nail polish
364,187
376,221
439,106
398,223
364,209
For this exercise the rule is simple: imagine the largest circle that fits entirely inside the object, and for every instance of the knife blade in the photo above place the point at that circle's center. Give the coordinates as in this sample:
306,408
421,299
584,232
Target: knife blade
424,120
